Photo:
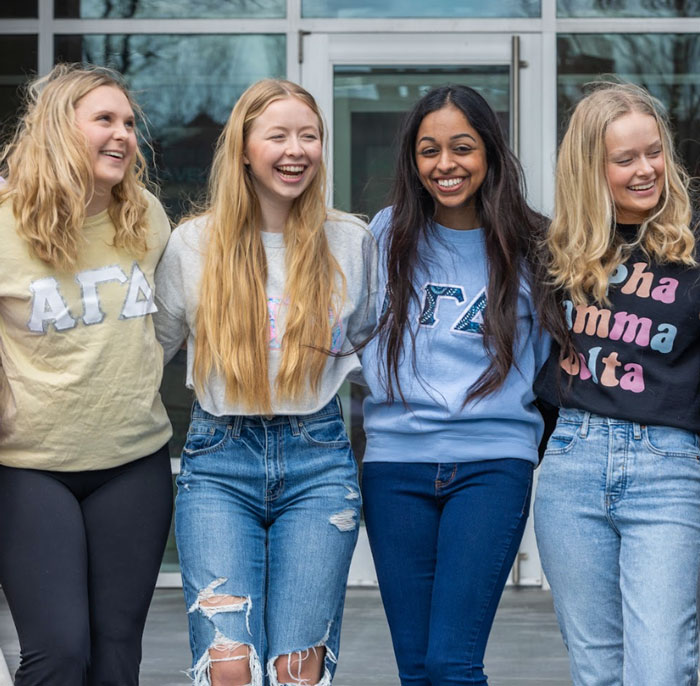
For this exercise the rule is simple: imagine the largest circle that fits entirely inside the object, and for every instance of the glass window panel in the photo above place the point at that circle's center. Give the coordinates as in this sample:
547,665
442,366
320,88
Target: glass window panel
19,9
142,9
186,86
420,8
369,103
18,62
628,8
668,65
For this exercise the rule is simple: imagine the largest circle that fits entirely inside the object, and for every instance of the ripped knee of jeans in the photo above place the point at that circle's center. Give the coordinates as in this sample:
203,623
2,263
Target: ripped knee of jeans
304,667
226,662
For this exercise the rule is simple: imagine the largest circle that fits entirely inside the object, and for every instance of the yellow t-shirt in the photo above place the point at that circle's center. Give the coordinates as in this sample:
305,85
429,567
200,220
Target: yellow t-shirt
81,366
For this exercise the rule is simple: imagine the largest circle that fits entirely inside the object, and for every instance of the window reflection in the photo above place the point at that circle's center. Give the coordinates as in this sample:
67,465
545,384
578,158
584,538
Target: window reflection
420,8
142,9
668,65
18,63
628,8
368,106
186,85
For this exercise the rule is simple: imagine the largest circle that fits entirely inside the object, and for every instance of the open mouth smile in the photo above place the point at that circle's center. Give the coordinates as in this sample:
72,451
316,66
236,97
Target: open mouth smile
640,188
114,154
291,172
450,185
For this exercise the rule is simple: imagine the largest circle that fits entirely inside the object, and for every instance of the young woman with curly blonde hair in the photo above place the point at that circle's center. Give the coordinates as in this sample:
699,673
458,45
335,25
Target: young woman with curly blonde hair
263,285
85,490
617,512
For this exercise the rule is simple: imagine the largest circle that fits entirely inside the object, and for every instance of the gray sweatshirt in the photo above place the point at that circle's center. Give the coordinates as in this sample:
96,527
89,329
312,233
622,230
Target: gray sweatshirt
177,296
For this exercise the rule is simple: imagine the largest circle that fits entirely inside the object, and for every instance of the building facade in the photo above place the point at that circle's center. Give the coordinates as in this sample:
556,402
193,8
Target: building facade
366,61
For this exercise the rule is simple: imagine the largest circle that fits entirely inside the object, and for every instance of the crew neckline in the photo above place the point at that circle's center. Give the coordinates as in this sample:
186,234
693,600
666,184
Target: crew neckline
460,235
272,239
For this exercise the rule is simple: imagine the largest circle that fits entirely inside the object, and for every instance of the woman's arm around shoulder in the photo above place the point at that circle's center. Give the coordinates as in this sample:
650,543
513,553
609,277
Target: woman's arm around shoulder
358,259
177,283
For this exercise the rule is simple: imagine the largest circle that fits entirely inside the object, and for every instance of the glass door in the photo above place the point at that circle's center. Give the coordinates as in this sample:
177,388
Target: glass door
364,84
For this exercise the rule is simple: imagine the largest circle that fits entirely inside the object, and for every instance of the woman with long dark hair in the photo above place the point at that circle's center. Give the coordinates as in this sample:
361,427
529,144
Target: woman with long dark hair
452,432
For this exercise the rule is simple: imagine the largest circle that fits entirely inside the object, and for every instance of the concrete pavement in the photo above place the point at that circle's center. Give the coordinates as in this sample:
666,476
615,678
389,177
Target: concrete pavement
525,647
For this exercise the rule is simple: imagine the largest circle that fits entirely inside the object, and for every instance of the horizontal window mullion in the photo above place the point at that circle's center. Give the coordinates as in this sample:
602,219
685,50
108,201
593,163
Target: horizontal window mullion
174,26
628,25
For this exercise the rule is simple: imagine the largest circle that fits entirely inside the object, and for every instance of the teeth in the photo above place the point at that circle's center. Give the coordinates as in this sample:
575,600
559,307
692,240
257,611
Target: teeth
291,169
644,187
112,153
448,183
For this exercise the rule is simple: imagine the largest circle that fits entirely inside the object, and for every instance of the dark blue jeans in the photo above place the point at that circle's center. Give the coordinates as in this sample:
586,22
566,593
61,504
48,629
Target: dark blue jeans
443,538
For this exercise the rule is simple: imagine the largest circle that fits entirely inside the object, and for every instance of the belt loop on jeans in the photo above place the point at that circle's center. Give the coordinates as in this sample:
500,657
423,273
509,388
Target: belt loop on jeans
583,431
637,429
237,424
294,423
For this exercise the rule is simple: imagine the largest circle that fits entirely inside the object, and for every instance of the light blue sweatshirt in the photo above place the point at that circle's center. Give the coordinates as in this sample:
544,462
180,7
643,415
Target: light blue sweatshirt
449,358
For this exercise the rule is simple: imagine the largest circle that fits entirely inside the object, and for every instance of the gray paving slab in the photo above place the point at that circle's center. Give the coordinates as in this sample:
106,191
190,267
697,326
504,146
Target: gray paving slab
525,647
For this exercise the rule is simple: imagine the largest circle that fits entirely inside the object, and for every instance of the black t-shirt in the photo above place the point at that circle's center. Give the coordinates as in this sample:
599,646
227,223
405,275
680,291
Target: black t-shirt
638,359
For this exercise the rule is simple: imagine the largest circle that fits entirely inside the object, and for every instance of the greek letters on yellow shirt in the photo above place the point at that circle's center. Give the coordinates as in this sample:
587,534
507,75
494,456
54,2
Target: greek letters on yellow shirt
81,366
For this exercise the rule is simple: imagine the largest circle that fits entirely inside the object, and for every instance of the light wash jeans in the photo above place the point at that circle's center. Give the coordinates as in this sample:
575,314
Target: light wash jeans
267,511
617,518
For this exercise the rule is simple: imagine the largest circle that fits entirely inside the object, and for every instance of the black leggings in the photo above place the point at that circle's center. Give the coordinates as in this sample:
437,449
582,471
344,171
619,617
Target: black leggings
79,558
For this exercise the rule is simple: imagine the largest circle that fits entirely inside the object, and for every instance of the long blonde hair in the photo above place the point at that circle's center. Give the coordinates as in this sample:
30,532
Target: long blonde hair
582,241
48,172
232,326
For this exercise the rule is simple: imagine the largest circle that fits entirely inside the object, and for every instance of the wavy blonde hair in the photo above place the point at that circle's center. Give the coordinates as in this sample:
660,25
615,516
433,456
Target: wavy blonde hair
582,241
49,176
232,325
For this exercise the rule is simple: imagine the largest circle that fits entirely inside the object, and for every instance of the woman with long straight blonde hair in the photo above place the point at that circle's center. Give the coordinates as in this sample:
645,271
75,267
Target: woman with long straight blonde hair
85,486
272,292
617,512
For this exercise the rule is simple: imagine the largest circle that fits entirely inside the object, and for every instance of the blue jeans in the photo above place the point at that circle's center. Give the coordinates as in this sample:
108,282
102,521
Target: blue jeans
267,511
617,518
443,538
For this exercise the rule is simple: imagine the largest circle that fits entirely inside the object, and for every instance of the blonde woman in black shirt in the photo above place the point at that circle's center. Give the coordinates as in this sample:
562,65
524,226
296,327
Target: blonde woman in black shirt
617,512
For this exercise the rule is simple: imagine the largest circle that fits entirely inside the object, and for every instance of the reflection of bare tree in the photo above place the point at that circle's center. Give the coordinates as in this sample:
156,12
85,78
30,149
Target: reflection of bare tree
186,86
629,8
665,64
181,8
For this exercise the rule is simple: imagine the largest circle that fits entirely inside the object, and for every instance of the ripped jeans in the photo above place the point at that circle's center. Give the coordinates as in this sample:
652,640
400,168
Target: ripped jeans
267,516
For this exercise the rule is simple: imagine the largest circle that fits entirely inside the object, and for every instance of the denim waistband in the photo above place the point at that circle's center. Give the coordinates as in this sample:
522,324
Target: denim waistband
575,415
588,419
237,421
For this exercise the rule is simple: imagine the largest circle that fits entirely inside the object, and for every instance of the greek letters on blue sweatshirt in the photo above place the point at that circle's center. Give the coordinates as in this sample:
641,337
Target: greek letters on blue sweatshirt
639,358
449,357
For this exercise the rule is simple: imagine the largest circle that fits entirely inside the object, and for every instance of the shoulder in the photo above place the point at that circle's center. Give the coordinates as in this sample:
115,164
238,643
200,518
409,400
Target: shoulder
190,236
381,222
347,229
7,215
158,223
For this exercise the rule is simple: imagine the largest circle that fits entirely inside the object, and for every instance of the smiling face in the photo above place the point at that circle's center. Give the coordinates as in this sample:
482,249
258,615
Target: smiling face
451,161
106,119
283,152
634,166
